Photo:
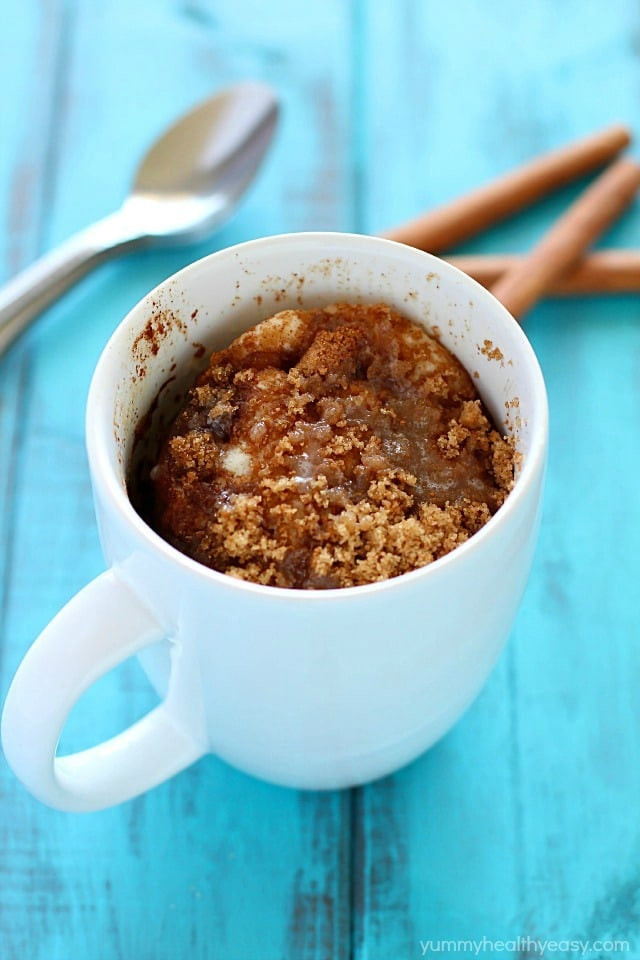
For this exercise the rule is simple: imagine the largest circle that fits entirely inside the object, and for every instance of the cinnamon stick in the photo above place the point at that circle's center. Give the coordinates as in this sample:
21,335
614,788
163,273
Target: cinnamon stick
563,245
447,225
607,271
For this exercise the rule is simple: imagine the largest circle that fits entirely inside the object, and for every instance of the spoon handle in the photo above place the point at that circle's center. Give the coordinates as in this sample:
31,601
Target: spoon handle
39,285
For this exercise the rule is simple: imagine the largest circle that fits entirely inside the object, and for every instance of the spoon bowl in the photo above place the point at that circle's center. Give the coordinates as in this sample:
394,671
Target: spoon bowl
192,177
188,182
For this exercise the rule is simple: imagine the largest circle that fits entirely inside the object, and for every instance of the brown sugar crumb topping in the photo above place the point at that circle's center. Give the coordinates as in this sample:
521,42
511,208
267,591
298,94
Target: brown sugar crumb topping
329,448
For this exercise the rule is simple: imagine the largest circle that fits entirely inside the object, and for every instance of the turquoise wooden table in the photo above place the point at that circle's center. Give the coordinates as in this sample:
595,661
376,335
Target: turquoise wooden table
524,821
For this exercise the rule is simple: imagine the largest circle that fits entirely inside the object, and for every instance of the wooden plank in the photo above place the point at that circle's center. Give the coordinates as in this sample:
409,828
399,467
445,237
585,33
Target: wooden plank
29,71
523,820
212,864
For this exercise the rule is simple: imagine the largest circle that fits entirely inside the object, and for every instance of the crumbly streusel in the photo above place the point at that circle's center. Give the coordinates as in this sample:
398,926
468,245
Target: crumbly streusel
329,448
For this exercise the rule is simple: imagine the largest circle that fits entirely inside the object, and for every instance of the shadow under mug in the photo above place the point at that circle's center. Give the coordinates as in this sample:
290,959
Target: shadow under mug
310,689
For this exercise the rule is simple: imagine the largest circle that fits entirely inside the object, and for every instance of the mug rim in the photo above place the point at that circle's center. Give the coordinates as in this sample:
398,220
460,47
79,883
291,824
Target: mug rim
100,435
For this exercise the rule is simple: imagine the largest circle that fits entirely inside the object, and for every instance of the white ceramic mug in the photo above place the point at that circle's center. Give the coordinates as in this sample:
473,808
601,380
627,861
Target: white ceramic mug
311,689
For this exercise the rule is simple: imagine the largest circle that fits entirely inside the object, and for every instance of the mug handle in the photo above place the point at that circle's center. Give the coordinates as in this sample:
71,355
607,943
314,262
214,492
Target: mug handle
101,626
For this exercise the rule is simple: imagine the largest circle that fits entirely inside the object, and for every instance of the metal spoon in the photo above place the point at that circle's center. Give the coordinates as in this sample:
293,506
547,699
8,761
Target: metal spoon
188,182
